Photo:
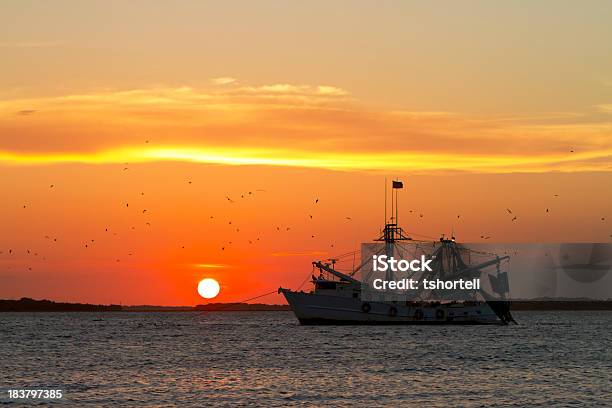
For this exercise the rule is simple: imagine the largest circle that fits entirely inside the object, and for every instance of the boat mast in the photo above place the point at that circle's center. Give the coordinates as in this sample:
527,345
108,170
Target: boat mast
389,238
392,232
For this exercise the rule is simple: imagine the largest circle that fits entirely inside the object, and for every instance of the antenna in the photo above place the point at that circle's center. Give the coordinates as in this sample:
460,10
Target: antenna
396,207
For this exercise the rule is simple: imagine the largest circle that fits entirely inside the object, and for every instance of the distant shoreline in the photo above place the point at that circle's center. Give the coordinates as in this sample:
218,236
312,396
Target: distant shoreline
32,305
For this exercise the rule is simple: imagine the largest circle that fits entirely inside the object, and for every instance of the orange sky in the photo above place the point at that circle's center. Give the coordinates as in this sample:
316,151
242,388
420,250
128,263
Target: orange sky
122,110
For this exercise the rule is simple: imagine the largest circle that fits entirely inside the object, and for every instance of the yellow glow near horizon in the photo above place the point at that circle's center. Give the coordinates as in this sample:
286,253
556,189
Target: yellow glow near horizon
358,161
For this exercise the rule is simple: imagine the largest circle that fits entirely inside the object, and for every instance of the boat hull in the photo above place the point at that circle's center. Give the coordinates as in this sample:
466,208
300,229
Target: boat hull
317,309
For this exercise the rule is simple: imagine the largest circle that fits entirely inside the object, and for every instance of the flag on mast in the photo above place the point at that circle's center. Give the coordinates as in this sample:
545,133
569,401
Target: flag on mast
398,184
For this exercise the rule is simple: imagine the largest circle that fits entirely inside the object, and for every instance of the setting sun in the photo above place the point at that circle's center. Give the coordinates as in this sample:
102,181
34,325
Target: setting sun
208,288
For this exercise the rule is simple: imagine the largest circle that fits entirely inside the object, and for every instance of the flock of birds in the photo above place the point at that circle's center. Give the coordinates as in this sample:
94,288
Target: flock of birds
90,242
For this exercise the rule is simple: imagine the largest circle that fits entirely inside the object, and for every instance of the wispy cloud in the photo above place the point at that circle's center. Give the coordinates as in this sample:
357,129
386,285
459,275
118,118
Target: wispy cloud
605,108
26,112
223,80
210,266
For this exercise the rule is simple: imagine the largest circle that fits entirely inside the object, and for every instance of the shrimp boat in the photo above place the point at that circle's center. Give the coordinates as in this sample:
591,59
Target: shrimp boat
340,296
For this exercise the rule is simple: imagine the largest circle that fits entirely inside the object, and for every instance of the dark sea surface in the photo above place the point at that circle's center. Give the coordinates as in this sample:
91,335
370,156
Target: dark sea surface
266,358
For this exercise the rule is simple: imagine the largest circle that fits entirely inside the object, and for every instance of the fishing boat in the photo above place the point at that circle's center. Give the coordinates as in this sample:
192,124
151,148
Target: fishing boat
348,296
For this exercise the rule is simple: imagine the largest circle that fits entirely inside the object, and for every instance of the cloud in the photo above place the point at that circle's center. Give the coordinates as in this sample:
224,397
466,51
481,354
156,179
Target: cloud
312,126
210,266
26,112
223,80
605,108
292,90
331,90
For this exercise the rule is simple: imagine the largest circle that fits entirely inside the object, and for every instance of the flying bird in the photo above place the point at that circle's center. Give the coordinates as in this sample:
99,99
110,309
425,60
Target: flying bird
229,199
316,201
514,219
509,210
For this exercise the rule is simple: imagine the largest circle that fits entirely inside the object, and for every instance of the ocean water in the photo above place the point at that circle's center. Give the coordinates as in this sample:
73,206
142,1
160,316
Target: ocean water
266,358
